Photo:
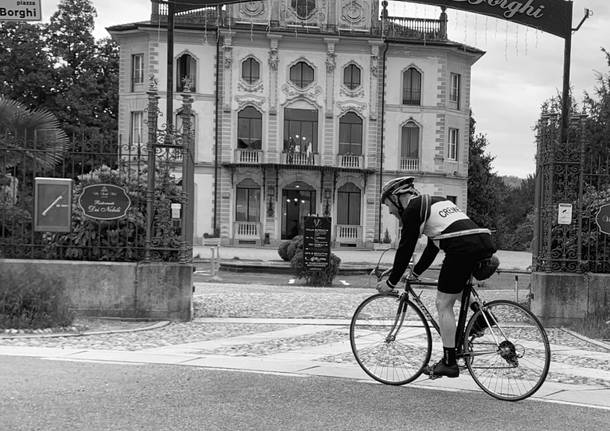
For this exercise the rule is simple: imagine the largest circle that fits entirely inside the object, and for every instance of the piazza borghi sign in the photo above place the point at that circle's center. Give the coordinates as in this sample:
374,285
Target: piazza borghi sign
551,16
20,10
104,201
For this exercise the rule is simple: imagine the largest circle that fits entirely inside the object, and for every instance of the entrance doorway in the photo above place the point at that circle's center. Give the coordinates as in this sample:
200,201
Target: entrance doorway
298,201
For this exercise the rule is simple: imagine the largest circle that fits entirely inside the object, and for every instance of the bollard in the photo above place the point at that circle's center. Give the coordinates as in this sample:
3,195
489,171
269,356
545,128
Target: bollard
215,262
516,288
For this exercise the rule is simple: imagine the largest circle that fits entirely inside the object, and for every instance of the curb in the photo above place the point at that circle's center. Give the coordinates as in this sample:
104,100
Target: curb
587,339
156,325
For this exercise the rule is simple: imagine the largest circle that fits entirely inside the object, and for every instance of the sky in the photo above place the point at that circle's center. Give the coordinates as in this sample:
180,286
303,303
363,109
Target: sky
521,69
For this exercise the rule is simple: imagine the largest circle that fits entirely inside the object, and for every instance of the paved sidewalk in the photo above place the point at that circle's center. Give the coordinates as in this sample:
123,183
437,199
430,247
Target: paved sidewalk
300,331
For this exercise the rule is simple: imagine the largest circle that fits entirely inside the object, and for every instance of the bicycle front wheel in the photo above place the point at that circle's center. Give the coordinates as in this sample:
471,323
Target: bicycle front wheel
509,359
390,339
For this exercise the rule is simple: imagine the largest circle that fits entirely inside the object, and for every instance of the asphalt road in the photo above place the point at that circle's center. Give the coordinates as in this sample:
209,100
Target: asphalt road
38,394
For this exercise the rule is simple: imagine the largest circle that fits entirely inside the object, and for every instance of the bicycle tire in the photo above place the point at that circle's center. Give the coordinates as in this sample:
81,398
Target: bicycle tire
511,360
392,362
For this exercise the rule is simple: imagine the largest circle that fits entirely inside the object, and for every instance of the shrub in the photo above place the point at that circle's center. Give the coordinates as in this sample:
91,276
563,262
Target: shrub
323,277
30,299
283,251
287,249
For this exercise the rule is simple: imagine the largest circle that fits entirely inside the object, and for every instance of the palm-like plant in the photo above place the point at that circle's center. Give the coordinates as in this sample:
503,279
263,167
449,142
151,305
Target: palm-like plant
29,137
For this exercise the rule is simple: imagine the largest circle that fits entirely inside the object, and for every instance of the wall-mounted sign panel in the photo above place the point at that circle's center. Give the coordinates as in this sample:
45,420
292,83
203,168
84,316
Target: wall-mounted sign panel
20,10
52,204
104,201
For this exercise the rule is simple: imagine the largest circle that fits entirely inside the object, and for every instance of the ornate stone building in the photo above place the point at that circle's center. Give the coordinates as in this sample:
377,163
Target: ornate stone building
305,107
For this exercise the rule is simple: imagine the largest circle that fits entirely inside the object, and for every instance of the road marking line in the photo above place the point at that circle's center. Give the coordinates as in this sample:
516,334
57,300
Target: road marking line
291,281
345,283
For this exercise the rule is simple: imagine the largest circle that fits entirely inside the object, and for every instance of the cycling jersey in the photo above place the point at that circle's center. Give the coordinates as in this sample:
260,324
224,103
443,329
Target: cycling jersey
447,227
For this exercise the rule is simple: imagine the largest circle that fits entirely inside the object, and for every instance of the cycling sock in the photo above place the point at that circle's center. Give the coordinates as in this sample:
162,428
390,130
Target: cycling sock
449,355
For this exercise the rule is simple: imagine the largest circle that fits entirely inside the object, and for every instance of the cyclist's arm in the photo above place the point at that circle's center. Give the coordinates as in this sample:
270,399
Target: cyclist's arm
408,240
426,259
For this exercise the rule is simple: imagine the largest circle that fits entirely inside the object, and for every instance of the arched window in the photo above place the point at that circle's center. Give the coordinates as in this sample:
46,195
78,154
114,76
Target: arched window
249,128
409,147
351,76
350,134
411,87
250,70
186,70
301,74
348,204
247,201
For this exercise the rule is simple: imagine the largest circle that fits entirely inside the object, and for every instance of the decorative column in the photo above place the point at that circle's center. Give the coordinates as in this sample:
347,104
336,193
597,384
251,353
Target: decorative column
153,112
374,103
329,154
273,144
227,52
188,177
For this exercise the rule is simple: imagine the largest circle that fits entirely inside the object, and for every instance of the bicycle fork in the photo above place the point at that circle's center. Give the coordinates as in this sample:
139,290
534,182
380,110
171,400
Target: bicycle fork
398,320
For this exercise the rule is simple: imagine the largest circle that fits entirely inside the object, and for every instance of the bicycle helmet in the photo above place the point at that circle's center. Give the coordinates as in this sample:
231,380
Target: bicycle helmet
398,186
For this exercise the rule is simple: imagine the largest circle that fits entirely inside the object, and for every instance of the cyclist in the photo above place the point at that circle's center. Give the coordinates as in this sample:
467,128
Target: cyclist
449,229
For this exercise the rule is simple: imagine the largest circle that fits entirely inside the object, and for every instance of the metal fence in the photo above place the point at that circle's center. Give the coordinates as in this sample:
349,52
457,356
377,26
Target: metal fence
148,231
574,174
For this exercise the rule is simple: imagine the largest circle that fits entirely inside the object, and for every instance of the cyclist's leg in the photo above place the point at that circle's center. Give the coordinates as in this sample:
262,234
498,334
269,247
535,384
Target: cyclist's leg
453,276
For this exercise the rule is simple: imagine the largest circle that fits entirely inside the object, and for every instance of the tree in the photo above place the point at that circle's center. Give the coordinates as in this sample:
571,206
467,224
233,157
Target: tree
87,77
485,188
26,68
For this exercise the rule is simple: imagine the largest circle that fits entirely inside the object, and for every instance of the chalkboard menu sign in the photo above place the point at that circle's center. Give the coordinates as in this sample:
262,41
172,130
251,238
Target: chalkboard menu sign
316,242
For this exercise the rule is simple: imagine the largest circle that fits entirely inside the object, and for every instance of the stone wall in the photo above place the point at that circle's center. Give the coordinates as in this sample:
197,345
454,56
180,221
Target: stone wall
561,298
129,290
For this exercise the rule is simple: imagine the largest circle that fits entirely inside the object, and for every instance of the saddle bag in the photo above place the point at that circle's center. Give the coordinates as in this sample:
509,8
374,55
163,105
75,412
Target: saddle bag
485,268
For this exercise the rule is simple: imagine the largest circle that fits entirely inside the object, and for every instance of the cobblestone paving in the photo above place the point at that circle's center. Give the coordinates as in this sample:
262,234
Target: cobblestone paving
255,301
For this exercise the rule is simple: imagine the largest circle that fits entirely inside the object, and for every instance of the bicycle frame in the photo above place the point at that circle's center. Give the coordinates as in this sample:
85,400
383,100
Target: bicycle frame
467,293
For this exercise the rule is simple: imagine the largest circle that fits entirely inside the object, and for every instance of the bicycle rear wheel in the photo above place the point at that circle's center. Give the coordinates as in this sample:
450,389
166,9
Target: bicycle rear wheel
390,339
511,359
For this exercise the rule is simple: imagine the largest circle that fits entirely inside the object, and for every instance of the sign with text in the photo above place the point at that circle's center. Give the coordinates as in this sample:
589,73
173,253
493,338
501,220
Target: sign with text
316,242
52,204
603,219
104,201
551,16
20,10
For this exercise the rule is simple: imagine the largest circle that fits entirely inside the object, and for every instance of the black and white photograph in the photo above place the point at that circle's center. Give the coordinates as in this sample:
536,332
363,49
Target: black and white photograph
306,215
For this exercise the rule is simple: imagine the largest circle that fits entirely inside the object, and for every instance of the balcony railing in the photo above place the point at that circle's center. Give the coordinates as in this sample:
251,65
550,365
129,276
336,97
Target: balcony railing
348,234
408,164
247,230
302,159
248,156
200,15
350,161
416,28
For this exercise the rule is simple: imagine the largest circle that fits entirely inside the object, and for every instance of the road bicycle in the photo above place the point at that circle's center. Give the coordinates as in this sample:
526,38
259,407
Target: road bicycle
508,357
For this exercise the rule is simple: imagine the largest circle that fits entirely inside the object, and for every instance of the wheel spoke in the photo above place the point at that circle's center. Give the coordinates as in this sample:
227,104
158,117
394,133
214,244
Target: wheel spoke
512,363
400,360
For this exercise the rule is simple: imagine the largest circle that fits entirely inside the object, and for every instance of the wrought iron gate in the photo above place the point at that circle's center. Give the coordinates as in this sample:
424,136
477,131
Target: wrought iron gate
146,170
576,174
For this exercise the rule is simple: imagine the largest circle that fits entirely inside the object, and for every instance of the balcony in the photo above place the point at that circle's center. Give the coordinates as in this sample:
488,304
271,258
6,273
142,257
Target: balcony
246,231
416,28
347,234
350,161
299,159
248,156
409,164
